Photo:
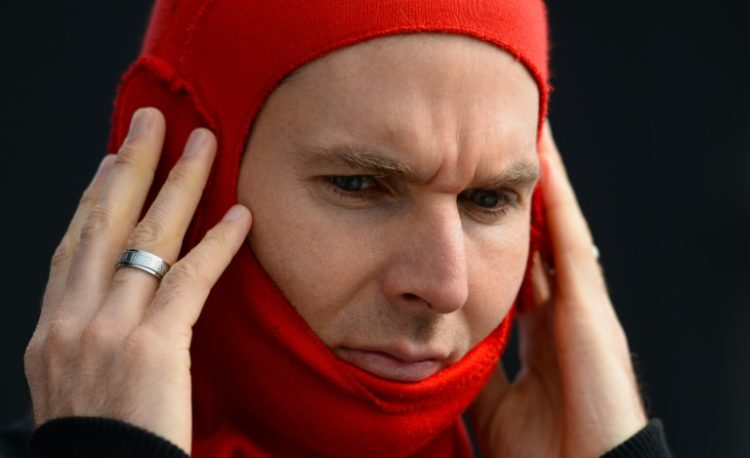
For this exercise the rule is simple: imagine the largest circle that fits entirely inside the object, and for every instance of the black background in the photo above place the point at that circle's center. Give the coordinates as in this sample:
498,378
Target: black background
650,111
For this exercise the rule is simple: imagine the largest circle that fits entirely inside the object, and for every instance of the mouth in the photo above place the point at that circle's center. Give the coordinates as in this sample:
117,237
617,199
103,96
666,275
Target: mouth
393,365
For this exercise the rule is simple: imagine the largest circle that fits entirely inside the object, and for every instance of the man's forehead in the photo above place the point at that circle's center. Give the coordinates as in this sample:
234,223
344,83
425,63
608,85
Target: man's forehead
476,122
396,50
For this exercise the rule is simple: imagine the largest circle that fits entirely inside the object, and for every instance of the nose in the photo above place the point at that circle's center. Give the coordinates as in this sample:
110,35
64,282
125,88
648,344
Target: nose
428,263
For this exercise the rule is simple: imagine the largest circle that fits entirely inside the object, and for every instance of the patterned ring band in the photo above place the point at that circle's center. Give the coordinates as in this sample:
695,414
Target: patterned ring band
145,261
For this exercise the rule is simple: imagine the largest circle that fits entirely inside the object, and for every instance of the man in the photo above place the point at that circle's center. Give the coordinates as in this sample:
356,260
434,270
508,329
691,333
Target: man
391,182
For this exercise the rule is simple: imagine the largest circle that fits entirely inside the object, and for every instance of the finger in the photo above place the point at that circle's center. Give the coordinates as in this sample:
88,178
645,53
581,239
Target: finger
112,218
60,265
485,405
162,229
573,255
535,338
165,223
534,327
180,298
538,352
540,282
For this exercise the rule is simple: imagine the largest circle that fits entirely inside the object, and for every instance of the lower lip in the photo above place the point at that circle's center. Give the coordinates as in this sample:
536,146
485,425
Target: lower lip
386,366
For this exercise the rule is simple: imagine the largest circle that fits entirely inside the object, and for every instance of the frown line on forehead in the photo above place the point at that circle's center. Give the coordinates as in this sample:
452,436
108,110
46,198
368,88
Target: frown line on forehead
371,161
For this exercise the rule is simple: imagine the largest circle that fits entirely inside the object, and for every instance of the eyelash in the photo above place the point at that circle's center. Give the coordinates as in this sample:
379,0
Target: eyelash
508,197
511,198
358,195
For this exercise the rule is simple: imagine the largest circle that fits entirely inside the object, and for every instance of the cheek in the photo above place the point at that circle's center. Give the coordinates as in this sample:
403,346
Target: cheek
319,265
497,268
327,262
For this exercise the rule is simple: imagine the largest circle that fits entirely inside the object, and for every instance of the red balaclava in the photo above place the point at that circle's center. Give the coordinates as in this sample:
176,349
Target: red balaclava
263,383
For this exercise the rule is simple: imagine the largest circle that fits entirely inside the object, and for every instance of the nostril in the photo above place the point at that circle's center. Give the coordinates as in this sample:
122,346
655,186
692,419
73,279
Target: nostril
415,299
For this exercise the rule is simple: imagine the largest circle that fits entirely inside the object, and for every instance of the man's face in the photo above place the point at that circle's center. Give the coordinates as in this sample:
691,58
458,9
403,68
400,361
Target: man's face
390,184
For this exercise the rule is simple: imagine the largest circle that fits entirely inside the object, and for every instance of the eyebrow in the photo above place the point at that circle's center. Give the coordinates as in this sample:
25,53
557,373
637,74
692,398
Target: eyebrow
519,174
359,158
522,173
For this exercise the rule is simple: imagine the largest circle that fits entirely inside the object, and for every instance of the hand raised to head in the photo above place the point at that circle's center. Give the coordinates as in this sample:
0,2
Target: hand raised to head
576,393
115,342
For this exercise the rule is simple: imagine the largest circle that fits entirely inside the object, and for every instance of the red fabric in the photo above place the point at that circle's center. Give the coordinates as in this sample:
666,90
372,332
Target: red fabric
264,384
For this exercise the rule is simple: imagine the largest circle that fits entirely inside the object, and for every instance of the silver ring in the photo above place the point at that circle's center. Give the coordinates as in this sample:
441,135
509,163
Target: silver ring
596,251
145,261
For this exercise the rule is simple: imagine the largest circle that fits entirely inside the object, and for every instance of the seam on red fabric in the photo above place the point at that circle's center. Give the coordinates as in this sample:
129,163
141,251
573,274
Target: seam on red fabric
163,71
235,152
190,33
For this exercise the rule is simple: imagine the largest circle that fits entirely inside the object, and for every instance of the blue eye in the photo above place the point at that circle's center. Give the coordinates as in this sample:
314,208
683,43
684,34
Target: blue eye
486,198
489,203
353,183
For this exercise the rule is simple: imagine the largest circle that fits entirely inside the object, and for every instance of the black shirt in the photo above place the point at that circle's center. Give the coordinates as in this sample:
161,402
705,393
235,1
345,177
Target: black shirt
84,437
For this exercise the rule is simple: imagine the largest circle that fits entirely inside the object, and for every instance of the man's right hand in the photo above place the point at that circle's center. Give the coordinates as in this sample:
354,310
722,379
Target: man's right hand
576,394
115,342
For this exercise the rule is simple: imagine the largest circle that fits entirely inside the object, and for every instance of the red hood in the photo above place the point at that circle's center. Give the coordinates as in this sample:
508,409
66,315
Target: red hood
264,384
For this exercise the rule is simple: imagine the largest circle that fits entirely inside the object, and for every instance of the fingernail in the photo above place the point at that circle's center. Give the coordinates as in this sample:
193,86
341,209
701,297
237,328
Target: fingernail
235,213
141,122
196,142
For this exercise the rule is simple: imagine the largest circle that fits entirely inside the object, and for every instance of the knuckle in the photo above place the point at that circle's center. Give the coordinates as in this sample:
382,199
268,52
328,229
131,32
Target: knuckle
216,245
32,354
183,280
180,176
33,368
63,254
58,341
60,333
97,334
119,282
186,272
216,240
148,233
172,292
89,197
99,222
34,360
127,156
